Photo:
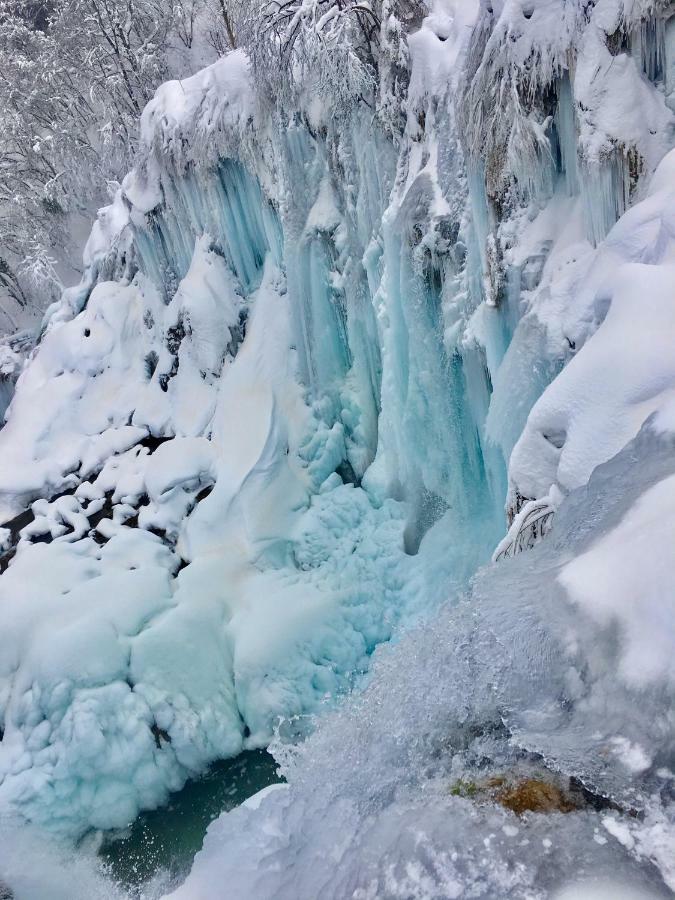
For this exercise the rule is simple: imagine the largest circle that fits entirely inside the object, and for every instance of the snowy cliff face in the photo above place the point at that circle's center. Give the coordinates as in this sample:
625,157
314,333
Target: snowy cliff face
313,355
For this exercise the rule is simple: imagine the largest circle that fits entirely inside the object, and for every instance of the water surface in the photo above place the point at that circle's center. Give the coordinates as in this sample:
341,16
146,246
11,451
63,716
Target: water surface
166,839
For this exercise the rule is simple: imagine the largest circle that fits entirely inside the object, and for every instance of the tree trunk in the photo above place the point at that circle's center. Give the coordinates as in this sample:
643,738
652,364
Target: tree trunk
228,25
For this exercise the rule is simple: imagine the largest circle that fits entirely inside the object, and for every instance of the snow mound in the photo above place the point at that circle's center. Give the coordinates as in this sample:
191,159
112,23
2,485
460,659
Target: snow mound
190,112
612,584
623,372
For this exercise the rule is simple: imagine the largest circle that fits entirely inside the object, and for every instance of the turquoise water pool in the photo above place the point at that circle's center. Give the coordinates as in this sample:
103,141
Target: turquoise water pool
165,840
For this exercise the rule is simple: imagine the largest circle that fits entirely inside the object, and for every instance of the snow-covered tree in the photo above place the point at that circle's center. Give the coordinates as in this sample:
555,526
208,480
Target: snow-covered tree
328,43
332,46
75,75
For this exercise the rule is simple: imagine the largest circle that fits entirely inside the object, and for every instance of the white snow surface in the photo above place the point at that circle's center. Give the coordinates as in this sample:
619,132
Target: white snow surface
611,584
190,112
622,295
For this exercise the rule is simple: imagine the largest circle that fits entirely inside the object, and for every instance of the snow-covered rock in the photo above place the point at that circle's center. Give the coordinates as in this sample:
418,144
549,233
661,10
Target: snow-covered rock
618,309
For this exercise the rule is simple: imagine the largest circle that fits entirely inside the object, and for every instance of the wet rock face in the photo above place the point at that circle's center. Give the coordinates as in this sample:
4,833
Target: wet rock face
536,791
536,796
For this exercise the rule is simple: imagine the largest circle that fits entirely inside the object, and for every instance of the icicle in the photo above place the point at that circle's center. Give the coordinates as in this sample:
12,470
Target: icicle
650,38
605,191
567,136
228,204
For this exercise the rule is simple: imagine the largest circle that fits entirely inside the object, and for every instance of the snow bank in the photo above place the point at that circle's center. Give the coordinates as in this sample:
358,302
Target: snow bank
86,377
182,444
623,372
191,114
611,583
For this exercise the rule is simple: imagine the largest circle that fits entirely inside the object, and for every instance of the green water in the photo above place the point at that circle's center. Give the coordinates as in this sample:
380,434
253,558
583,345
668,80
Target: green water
166,839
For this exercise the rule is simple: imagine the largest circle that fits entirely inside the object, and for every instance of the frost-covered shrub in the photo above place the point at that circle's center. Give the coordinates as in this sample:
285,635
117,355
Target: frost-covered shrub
326,48
326,43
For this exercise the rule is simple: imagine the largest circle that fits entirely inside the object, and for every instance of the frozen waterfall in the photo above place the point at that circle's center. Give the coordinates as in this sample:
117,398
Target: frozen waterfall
252,476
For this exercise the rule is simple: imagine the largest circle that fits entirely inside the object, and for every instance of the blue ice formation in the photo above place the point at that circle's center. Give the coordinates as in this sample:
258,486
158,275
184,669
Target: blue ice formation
276,426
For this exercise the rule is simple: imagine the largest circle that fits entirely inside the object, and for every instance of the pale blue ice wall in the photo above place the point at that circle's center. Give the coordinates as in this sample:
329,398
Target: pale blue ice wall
370,316
385,287
225,203
408,319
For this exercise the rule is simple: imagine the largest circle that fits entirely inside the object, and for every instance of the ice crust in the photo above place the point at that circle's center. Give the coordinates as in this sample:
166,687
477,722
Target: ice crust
270,431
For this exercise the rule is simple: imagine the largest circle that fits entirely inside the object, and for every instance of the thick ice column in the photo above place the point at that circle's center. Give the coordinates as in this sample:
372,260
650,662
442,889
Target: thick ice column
669,62
566,130
427,391
605,190
328,226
